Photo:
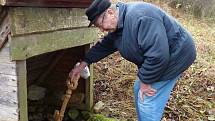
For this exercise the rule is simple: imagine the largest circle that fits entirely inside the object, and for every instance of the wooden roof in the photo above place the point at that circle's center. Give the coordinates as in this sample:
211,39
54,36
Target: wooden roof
47,3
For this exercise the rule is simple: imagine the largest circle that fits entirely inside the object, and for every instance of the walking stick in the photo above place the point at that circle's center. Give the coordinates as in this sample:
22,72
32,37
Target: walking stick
72,84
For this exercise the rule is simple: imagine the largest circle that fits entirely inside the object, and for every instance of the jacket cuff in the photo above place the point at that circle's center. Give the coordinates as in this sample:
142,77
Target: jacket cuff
143,80
88,61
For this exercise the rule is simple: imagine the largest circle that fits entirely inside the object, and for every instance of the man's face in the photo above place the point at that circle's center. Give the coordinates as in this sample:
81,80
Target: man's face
107,21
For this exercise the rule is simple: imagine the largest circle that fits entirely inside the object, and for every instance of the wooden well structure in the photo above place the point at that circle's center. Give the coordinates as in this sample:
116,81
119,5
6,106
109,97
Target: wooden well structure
40,42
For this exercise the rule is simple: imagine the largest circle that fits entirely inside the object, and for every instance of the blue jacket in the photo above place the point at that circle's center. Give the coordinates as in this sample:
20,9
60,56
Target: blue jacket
150,38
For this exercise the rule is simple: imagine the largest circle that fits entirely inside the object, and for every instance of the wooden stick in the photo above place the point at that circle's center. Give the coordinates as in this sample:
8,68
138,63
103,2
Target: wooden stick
72,85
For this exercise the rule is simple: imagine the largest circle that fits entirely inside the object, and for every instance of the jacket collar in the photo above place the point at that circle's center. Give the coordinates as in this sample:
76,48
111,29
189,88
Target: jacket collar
122,11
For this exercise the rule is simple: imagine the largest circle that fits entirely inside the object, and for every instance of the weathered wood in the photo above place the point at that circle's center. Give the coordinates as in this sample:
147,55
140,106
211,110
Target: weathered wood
7,66
3,13
27,20
47,3
23,47
22,90
8,87
4,28
8,69
6,113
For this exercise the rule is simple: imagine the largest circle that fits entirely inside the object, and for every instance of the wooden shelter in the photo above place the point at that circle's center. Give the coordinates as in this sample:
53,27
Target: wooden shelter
40,42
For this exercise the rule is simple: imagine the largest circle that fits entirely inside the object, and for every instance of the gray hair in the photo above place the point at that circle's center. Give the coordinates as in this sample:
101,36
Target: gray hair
113,7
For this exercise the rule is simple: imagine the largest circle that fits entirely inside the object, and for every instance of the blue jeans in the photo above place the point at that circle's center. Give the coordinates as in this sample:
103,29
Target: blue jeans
152,107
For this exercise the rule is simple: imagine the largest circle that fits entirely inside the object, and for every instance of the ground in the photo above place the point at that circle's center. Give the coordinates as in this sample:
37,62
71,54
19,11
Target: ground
193,98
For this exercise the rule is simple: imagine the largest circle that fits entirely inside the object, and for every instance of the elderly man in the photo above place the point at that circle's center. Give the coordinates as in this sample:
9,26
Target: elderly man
147,36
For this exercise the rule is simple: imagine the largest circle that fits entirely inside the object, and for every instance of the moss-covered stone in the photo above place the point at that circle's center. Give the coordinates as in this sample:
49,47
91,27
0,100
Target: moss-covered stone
99,117
88,116
73,114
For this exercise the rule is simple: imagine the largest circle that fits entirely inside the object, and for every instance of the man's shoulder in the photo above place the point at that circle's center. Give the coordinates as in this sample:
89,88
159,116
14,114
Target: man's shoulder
141,10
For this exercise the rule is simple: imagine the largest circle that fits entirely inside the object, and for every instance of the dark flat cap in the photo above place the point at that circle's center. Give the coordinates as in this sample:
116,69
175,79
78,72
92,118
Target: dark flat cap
96,9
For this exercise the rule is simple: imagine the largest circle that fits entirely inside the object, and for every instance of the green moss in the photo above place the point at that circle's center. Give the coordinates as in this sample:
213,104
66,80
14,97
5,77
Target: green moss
87,116
73,114
99,117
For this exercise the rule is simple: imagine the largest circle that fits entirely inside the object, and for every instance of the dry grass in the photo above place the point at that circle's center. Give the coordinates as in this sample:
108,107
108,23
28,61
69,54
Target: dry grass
193,98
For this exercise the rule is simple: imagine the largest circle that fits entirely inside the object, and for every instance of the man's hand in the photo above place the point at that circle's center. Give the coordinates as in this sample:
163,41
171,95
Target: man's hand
77,70
146,89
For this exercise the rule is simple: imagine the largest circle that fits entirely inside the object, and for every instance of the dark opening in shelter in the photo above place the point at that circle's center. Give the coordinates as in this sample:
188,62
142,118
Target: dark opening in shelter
46,80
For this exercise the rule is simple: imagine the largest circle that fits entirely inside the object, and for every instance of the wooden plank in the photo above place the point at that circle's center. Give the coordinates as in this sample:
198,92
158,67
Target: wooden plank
4,28
3,13
8,87
8,69
7,66
23,47
5,55
48,3
22,90
8,98
8,90
27,20
6,113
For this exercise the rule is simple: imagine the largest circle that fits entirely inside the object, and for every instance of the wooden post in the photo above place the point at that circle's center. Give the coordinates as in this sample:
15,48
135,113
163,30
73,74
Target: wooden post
89,85
22,90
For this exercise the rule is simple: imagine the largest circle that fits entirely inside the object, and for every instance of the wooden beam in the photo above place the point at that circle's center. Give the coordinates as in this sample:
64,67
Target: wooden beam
23,47
48,3
31,20
22,90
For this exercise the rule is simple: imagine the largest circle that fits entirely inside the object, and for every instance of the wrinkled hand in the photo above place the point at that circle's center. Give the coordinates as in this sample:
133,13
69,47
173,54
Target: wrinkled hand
77,70
146,89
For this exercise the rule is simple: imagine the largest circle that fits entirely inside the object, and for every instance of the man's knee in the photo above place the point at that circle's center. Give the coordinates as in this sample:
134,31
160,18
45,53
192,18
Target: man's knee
149,112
